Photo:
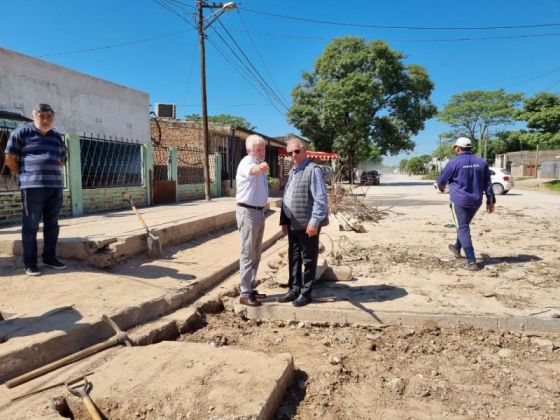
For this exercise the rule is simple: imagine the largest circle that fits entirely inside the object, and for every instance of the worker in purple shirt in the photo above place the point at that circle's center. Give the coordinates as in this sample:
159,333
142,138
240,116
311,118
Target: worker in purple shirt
468,178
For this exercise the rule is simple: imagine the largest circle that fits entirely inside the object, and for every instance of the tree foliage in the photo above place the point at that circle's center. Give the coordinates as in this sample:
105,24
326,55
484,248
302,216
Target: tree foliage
542,115
361,100
226,119
473,113
416,165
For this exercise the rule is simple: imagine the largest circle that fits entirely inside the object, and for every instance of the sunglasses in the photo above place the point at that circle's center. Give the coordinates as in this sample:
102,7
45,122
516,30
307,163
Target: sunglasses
294,152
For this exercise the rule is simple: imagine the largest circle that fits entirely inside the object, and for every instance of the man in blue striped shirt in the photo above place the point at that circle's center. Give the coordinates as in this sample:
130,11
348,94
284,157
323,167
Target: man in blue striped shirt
37,154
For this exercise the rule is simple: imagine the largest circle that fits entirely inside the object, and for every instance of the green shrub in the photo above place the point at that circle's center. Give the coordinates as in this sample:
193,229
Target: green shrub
431,175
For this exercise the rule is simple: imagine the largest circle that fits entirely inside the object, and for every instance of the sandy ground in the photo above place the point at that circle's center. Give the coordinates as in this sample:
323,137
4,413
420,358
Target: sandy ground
425,372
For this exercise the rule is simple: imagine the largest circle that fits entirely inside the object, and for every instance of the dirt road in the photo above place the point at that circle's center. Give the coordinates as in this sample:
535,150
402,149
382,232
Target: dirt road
427,372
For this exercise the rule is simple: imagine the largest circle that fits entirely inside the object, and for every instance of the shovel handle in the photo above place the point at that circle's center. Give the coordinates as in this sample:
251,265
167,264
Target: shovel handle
128,198
91,408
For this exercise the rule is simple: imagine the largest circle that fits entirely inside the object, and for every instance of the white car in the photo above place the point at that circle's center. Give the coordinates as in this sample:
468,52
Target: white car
502,181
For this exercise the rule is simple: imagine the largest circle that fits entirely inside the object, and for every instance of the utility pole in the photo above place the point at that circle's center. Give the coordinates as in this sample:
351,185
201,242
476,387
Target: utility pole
205,140
201,26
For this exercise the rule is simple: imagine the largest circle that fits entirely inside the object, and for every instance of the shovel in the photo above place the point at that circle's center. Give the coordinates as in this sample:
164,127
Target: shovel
154,244
82,392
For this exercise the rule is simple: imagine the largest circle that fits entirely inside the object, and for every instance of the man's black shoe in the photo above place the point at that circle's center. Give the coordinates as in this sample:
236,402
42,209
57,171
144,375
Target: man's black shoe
288,297
32,271
301,301
54,263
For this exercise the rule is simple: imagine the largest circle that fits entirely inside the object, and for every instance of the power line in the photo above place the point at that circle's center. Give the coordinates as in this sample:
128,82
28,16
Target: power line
106,47
258,52
255,71
429,28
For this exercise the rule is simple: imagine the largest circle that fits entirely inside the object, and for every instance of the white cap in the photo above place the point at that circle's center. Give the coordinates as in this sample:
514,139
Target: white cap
463,142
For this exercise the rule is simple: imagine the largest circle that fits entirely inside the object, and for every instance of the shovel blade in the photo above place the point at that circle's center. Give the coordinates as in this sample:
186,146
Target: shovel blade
155,249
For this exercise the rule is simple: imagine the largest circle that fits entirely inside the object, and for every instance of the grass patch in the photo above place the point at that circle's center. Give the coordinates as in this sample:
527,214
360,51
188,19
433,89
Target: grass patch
553,185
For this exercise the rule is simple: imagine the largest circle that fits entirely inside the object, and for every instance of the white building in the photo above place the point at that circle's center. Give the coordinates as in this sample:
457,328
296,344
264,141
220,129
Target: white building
83,104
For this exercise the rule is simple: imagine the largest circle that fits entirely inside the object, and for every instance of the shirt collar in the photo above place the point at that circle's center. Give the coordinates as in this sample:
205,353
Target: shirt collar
302,164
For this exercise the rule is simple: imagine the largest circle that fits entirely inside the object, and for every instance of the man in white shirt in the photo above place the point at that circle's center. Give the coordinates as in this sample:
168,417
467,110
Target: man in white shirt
251,197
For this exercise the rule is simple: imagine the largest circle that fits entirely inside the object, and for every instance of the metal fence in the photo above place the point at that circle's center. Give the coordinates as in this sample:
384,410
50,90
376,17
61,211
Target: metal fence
8,180
190,169
110,162
161,163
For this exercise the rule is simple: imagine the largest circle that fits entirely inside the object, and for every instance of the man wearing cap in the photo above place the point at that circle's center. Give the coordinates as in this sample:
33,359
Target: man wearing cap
37,154
251,196
468,177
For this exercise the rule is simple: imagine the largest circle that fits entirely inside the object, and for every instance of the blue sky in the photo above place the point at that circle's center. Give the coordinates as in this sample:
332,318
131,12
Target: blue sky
166,65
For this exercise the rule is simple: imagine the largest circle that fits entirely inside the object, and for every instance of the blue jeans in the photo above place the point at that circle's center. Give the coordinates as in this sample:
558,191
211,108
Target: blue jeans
37,203
463,217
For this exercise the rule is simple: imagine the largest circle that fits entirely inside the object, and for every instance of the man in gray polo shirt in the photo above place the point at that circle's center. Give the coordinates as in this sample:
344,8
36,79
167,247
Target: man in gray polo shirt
251,197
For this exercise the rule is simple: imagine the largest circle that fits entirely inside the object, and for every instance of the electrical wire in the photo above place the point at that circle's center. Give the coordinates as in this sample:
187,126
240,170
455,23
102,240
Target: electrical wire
258,53
419,28
254,71
121,44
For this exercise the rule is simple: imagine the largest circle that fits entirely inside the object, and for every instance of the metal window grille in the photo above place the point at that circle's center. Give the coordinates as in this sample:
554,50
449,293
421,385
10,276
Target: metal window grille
110,162
161,163
8,180
189,166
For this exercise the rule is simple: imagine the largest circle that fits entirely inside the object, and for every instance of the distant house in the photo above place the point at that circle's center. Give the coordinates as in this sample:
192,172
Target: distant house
223,139
532,163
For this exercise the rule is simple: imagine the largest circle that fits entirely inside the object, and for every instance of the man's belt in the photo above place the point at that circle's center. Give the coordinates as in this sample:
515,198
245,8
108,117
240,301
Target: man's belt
247,206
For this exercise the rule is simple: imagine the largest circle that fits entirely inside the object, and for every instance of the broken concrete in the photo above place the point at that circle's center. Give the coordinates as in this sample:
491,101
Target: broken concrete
188,380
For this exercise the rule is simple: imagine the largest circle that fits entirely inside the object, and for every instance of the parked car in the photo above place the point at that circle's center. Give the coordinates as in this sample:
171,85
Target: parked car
501,179
370,178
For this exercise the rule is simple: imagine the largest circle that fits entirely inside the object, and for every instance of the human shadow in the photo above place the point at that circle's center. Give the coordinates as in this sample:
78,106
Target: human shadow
64,318
358,296
511,259
143,269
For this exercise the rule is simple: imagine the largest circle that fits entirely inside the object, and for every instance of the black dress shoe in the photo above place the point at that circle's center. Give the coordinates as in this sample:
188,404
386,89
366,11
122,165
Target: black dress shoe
288,297
301,301
249,301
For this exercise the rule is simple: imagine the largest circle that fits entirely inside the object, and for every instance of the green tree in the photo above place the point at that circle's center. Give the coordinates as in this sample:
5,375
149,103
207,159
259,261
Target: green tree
361,100
416,165
226,119
403,165
473,113
542,114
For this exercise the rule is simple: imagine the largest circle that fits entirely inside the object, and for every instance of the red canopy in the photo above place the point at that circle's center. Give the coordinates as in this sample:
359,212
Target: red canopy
313,155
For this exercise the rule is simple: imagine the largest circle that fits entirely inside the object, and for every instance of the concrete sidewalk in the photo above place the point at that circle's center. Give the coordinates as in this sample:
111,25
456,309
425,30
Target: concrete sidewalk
106,239
58,313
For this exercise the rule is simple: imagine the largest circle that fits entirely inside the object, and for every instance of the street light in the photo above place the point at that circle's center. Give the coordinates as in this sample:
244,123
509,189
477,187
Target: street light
202,24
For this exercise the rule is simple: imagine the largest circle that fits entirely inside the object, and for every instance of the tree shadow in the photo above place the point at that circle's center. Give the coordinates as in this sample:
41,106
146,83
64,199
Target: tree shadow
294,395
511,259
64,318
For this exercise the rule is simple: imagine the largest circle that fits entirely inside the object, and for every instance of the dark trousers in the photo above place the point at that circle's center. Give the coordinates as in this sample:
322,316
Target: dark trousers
463,217
40,203
302,251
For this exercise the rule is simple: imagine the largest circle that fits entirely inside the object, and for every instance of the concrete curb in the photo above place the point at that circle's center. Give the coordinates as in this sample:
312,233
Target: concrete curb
41,353
109,251
322,313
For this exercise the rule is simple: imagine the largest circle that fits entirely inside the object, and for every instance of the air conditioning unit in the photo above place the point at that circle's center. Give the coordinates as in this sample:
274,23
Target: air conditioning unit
166,110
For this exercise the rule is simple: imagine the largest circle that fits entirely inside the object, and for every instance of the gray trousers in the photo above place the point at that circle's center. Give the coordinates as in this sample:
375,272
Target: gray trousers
250,223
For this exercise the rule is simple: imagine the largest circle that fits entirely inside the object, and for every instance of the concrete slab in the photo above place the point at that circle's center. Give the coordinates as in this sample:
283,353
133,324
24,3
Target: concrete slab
106,239
59,313
188,380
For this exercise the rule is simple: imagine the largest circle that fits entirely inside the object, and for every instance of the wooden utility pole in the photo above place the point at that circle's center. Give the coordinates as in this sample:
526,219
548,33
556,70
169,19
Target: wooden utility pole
205,139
